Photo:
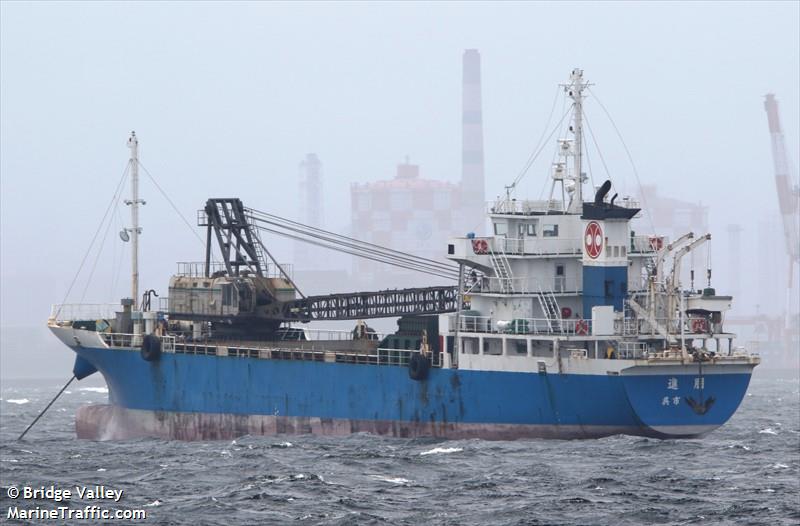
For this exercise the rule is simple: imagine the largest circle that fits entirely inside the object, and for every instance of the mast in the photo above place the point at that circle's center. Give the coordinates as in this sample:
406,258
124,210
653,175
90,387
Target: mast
135,230
575,90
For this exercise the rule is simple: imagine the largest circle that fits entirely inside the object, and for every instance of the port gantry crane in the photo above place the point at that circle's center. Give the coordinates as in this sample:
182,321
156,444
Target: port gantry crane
788,193
788,202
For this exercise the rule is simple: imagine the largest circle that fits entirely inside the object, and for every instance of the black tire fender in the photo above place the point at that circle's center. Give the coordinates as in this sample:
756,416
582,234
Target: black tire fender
418,367
151,348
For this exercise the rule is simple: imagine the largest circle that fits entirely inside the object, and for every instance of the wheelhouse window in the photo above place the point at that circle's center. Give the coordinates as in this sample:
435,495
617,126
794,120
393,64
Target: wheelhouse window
550,231
532,228
501,229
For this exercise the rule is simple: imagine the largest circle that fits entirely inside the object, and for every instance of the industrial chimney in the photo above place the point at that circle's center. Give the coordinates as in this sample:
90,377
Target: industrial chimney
310,191
472,183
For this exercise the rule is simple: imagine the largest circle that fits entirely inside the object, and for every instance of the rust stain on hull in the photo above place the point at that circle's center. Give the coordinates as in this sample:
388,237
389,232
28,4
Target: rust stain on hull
111,422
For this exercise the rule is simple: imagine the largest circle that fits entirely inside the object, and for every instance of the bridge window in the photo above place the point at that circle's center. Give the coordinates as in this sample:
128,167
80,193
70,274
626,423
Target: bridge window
550,231
517,347
501,228
528,229
493,346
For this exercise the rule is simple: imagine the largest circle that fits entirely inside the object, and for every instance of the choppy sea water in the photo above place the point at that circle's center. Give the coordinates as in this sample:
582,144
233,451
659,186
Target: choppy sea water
747,472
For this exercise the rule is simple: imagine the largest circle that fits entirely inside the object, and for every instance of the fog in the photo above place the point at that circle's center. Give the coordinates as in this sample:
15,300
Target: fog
227,100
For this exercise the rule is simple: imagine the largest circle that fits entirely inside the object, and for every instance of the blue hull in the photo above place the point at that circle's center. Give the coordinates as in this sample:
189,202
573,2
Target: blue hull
201,397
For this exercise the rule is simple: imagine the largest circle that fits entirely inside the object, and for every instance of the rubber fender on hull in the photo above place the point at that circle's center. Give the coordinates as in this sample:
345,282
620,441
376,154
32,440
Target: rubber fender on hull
418,367
151,348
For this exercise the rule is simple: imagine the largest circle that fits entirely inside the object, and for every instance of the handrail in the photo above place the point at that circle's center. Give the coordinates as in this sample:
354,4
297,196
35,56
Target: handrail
557,284
489,325
169,344
84,311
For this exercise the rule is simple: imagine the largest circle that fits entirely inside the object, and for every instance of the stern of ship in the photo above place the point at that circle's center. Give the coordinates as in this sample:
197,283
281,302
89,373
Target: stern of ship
683,398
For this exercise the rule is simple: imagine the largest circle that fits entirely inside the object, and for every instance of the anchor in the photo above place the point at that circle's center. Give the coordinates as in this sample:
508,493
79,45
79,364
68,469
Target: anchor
700,407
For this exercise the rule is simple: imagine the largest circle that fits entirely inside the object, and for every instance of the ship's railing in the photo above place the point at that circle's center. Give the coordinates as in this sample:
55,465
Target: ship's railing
524,206
84,311
119,339
531,206
638,326
287,334
197,269
535,245
128,340
539,326
171,344
557,284
163,303
632,350
647,244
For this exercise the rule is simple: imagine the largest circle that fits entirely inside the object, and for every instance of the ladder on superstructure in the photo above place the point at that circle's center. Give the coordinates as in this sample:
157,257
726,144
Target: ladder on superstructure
502,269
550,309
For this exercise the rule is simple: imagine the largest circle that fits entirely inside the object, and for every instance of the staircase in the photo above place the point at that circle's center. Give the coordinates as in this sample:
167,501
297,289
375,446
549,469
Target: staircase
551,310
502,270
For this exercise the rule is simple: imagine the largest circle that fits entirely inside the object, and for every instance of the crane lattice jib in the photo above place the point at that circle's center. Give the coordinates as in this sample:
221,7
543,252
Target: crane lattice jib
380,304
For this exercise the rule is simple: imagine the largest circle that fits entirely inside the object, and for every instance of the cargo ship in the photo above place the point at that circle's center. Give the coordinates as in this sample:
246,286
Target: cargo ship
564,323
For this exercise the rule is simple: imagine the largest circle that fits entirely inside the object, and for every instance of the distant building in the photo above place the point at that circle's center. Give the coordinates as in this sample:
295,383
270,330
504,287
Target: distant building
416,215
673,217
408,214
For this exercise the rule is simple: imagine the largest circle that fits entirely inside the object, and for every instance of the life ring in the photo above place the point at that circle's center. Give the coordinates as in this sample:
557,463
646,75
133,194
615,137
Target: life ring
582,327
480,246
151,348
418,366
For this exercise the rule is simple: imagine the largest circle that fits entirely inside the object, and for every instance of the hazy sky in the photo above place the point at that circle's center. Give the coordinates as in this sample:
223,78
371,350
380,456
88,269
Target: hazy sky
228,98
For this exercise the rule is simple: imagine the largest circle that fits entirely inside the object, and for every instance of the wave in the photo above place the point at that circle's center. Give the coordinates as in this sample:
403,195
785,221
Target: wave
440,450
103,390
18,401
392,480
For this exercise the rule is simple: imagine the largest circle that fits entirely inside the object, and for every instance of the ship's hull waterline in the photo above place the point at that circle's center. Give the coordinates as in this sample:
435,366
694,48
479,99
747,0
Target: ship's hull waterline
191,397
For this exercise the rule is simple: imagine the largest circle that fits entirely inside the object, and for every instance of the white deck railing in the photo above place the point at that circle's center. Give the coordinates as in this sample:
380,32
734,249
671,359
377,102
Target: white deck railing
171,344
557,285
535,245
84,311
542,326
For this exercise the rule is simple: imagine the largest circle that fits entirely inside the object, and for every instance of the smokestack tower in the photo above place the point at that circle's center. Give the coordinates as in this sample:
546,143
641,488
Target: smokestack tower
734,259
309,178
472,178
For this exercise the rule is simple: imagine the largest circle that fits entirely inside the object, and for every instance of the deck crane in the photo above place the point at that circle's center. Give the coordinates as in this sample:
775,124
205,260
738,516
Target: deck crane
788,198
249,292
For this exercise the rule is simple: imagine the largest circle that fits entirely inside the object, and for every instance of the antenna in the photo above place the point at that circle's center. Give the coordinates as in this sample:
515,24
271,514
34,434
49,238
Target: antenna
135,230
575,90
